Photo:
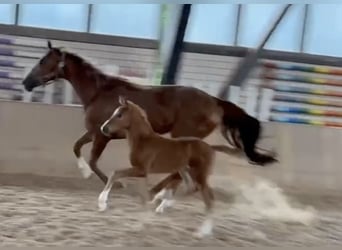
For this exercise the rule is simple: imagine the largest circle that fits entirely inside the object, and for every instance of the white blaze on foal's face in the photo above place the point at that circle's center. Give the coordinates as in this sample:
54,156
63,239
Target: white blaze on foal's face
117,121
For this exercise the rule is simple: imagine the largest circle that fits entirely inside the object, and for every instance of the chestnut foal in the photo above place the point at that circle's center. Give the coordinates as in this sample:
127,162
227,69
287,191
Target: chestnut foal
152,153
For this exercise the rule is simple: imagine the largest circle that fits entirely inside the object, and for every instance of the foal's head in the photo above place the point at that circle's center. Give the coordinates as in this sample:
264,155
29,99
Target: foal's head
124,117
47,69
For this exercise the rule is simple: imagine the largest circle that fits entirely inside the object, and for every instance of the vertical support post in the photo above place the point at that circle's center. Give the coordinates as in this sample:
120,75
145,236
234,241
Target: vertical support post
247,64
174,36
163,21
90,12
16,15
304,27
234,95
252,99
266,104
237,26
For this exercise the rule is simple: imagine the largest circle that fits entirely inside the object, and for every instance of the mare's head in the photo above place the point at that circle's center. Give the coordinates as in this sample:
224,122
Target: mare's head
48,68
123,117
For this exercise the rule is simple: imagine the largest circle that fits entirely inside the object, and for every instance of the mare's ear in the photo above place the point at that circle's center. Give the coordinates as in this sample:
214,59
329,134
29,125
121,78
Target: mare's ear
122,100
49,44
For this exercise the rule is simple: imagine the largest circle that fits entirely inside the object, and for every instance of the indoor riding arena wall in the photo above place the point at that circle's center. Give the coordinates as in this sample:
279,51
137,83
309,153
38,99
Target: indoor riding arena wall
37,136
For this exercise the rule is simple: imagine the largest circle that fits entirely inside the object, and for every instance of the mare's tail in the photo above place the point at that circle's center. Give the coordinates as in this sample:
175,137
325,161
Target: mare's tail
249,129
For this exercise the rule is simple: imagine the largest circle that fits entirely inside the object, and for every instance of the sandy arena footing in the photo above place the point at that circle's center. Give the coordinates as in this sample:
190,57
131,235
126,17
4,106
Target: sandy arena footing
39,211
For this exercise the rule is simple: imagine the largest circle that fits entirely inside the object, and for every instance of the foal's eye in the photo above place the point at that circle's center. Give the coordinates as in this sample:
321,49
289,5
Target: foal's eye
119,115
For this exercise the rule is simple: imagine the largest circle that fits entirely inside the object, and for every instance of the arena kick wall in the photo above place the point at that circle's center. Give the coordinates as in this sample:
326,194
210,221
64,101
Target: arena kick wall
38,132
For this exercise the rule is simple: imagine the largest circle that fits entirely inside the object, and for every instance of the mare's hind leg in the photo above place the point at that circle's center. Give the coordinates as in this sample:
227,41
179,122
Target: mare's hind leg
81,162
231,136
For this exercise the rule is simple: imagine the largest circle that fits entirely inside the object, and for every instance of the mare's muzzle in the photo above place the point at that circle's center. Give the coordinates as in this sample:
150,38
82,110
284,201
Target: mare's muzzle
30,83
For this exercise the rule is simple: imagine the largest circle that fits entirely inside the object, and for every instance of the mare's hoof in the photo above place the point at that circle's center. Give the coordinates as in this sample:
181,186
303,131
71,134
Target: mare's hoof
84,168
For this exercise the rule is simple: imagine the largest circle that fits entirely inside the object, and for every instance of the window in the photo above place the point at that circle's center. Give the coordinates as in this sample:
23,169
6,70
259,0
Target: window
130,20
324,30
72,17
256,20
212,24
7,13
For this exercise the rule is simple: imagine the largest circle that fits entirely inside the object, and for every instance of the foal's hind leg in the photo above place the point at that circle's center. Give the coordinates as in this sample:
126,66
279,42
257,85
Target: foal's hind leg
81,162
186,177
208,198
158,190
166,195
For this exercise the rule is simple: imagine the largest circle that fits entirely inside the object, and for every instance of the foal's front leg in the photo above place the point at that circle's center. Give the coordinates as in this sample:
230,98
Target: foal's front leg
103,197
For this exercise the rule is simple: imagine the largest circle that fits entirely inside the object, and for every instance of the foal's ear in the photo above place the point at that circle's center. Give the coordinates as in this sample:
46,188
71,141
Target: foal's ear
122,100
49,44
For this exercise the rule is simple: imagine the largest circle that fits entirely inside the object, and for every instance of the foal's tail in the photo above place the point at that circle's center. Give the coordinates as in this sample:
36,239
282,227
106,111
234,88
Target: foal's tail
235,120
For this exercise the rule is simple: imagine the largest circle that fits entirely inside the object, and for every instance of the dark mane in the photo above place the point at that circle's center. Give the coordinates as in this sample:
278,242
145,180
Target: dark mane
103,80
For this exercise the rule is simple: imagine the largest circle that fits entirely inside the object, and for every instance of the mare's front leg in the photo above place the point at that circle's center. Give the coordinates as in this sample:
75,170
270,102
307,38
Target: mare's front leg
82,164
103,197
99,144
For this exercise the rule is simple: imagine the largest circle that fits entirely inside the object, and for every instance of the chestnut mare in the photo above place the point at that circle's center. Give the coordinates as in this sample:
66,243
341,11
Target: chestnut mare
152,153
178,110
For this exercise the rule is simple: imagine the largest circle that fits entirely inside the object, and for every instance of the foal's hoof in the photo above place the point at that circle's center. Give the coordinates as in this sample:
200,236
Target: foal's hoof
206,229
102,206
192,190
163,205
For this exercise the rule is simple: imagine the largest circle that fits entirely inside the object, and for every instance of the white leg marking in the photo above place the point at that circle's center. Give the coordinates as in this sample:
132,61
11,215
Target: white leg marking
102,202
205,229
159,196
162,195
166,203
84,167
103,197
187,179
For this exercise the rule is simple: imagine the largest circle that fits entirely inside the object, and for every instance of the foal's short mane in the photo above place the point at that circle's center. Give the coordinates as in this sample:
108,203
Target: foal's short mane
141,112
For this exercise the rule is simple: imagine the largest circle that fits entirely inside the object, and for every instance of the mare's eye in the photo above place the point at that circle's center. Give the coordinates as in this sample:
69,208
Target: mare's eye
119,115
